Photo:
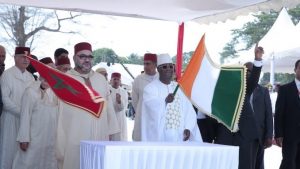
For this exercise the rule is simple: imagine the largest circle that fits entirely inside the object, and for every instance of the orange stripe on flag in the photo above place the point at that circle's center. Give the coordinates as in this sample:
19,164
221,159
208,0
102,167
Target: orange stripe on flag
187,80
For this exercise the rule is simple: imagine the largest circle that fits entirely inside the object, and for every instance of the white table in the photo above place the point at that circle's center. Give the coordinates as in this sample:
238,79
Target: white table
156,155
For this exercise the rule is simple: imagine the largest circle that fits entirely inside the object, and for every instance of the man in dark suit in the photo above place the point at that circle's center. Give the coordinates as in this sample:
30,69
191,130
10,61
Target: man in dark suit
260,102
247,138
287,122
207,126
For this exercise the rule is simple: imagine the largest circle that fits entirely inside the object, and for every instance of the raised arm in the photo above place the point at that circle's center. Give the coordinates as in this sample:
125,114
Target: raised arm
257,65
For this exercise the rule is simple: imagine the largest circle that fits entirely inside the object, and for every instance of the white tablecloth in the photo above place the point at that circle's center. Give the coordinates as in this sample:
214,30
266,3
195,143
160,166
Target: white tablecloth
154,155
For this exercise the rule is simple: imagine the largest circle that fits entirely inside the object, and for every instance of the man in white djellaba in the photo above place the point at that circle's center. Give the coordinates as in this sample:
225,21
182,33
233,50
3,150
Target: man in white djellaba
120,101
38,123
14,81
76,124
138,86
167,117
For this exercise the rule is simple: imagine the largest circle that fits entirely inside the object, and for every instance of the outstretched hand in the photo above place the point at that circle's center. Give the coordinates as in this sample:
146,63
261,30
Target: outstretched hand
258,52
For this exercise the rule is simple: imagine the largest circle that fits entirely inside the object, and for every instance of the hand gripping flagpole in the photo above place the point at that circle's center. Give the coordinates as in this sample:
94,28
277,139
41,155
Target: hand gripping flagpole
175,91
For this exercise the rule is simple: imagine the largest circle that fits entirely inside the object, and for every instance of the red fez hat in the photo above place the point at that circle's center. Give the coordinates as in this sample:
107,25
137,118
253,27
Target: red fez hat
63,61
82,46
150,57
22,50
46,60
116,74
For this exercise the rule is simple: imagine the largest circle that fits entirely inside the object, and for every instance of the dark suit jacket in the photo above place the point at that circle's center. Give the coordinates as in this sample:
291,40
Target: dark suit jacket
1,103
287,112
263,113
247,124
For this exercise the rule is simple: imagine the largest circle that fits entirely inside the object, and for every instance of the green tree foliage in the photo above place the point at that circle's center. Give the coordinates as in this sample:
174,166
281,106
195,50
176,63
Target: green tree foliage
122,60
281,78
109,56
104,55
229,51
186,57
253,31
295,13
249,34
135,59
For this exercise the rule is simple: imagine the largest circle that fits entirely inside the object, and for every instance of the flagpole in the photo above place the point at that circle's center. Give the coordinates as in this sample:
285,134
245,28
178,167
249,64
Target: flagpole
175,91
121,62
179,51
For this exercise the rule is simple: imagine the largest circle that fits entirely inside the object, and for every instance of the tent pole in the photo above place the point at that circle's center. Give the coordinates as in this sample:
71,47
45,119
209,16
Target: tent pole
179,51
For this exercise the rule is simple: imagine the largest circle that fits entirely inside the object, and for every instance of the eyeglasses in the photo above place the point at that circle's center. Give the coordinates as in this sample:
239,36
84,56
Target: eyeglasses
166,66
83,56
147,63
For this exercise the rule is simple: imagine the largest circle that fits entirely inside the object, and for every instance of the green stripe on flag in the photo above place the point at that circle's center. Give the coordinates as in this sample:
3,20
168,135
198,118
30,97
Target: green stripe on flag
228,95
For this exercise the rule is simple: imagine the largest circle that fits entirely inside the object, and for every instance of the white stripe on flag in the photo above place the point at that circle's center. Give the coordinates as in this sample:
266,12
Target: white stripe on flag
204,85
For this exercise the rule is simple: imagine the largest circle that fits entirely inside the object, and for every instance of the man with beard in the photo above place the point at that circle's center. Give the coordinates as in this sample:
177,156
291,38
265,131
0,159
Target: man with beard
76,124
165,116
14,81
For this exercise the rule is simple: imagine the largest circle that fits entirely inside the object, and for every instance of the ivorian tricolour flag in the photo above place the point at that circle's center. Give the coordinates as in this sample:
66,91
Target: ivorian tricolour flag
70,90
216,91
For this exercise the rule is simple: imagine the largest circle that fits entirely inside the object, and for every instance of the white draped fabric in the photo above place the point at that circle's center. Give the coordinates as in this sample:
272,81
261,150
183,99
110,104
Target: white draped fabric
120,113
38,122
167,122
172,10
137,98
76,124
150,155
281,45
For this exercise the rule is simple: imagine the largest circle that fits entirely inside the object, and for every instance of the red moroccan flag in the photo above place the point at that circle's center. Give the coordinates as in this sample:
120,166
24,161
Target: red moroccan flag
70,90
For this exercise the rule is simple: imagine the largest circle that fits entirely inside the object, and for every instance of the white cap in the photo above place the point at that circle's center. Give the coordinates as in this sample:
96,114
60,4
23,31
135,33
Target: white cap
163,59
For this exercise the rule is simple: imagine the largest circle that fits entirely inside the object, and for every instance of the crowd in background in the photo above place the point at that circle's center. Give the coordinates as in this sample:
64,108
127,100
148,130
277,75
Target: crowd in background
41,131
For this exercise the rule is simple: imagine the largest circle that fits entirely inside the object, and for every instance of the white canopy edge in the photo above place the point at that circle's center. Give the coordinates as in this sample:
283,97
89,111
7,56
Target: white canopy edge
171,10
276,5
